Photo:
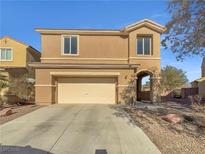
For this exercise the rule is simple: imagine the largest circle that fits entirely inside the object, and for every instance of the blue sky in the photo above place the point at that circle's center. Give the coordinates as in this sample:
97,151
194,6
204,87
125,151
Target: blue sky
19,18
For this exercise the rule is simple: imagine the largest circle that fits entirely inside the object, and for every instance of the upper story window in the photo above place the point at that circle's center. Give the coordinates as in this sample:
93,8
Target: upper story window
70,44
6,54
144,45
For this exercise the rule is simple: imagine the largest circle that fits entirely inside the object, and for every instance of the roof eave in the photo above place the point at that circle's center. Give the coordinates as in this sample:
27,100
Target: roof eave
124,31
88,32
81,66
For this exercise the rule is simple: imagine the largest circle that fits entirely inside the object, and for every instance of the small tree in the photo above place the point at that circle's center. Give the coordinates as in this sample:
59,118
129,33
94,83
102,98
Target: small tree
186,30
3,81
172,78
3,84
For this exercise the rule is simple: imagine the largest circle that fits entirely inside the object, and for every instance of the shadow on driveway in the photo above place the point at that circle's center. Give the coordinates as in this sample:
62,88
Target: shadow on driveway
101,151
9,149
119,112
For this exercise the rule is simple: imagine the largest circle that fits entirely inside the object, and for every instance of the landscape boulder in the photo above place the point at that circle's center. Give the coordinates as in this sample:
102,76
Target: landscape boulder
172,118
6,112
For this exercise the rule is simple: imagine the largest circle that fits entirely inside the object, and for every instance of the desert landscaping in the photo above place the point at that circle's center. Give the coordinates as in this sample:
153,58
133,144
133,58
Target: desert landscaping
173,128
10,112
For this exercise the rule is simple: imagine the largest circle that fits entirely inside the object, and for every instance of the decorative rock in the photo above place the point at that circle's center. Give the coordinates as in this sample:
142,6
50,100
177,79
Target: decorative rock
178,127
172,118
192,128
140,113
6,112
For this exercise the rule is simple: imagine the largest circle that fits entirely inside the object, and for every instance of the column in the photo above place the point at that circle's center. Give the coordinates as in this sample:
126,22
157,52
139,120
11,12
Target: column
155,89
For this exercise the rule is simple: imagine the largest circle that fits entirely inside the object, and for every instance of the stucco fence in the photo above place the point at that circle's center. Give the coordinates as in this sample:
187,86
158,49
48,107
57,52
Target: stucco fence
184,92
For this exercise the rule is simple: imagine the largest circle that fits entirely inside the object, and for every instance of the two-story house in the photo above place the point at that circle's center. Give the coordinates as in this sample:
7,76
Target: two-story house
98,66
14,59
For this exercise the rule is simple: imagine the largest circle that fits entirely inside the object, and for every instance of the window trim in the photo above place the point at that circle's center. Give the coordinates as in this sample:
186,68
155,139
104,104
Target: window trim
62,45
5,60
151,45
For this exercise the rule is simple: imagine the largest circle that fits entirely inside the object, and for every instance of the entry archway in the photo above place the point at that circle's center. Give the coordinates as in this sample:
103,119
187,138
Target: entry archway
144,85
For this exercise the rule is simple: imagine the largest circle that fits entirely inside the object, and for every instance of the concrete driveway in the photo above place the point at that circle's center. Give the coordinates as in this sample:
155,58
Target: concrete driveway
75,129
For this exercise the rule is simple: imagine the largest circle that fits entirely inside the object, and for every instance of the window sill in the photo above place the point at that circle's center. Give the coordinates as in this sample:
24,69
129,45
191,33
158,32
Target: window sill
144,55
70,55
6,60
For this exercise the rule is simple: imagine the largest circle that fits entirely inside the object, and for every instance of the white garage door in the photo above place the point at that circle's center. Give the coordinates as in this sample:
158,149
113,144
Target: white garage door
86,90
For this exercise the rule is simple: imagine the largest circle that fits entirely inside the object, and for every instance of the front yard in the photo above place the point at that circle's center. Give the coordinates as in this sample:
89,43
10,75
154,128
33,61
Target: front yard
185,137
17,111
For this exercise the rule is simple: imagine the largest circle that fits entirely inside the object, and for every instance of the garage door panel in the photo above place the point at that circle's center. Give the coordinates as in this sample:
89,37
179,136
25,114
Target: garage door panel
72,91
86,80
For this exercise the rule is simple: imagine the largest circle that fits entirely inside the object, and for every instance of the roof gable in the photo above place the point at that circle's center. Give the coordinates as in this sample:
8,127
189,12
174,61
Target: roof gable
199,80
9,38
145,23
19,42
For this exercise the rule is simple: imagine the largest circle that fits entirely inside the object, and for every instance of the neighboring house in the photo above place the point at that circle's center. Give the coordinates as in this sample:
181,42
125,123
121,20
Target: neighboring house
203,68
14,59
98,66
200,83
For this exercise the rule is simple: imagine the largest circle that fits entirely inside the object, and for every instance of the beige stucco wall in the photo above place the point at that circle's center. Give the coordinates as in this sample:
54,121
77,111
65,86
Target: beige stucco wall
144,31
92,49
201,86
102,49
46,83
203,68
151,62
19,53
148,63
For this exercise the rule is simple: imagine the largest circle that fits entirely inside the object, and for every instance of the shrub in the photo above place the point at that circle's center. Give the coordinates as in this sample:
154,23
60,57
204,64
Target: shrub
177,93
195,99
